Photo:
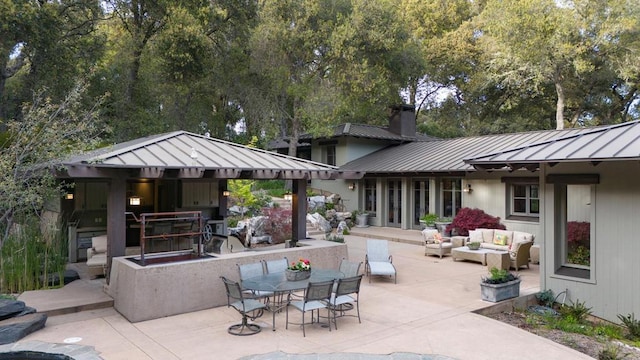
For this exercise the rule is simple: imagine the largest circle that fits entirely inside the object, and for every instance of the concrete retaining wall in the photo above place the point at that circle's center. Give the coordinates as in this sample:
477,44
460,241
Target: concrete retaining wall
154,291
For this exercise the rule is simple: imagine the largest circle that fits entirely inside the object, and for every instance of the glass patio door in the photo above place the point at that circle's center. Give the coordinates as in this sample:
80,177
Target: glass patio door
394,210
420,199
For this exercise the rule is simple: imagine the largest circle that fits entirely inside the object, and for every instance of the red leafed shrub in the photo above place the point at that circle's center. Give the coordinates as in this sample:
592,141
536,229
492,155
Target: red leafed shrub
578,232
470,219
280,219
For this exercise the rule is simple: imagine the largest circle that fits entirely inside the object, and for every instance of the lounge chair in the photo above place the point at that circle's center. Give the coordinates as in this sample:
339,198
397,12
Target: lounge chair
377,261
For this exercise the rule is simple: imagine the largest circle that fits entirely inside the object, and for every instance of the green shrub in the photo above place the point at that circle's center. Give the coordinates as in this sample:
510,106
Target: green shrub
631,324
29,257
498,276
576,310
335,238
546,298
611,352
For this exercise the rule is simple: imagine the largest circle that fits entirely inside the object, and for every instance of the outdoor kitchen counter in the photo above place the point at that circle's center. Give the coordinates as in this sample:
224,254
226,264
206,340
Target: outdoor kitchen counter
154,291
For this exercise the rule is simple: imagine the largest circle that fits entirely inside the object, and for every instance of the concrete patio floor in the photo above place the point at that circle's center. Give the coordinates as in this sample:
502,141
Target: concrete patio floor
429,311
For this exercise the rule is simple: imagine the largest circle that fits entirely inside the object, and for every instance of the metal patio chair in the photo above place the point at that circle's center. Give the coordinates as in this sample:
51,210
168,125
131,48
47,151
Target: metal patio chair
316,297
248,308
346,297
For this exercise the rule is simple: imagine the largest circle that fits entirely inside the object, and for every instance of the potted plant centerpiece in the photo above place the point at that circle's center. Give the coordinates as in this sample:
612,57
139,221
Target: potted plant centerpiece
299,270
499,285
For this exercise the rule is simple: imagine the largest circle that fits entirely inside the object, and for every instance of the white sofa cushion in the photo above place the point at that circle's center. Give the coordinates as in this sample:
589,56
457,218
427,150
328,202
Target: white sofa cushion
519,236
487,235
99,243
475,236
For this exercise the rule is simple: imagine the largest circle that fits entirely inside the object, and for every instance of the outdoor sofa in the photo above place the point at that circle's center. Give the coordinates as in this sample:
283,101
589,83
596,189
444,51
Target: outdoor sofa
517,243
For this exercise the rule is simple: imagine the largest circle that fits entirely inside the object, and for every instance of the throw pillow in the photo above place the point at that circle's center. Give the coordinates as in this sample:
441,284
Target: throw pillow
438,238
500,240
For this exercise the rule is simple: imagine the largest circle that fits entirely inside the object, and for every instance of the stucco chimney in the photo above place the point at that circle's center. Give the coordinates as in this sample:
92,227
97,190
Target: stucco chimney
403,120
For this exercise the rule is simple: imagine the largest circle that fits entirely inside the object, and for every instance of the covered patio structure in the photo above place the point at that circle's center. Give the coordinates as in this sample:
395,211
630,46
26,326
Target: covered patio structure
183,171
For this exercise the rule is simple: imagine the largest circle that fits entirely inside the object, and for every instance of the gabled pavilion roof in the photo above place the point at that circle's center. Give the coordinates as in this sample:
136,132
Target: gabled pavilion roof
609,143
189,155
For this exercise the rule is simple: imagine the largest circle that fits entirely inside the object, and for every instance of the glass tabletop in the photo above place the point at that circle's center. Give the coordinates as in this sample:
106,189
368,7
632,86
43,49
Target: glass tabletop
278,281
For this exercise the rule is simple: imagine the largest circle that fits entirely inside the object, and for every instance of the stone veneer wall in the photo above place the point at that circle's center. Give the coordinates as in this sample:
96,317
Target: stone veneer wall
154,291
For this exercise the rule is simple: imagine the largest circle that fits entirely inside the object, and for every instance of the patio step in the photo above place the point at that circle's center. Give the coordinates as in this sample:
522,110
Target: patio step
77,296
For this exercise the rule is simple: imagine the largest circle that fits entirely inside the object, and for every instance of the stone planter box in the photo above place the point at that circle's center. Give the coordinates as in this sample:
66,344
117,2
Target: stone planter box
499,292
362,220
297,275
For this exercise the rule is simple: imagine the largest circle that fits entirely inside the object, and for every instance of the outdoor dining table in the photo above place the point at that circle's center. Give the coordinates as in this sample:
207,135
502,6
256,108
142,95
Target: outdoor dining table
278,283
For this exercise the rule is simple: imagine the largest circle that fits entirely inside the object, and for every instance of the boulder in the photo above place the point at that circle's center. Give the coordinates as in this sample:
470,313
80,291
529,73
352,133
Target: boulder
342,226
315,203
15,328
9,308
319,222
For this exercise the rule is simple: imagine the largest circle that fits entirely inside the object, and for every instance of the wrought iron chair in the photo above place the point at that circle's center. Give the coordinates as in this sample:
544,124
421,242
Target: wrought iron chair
346,296
377,261
252,270
248,308
316,297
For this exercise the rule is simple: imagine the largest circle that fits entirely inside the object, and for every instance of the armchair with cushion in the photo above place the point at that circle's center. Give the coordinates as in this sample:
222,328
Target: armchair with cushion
97,256
435,243
519,254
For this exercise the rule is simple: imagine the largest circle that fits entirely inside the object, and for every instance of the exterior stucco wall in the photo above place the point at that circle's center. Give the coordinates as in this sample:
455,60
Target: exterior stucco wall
615,288
490,195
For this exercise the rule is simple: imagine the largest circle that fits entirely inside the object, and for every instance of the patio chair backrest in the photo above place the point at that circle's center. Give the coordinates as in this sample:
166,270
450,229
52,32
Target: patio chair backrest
275,266
377,250
350,285
250,270
318,291
349,268
233,290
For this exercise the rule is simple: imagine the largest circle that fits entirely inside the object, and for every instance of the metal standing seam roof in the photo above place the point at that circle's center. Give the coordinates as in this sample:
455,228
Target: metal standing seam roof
610,143
447,155
184,150
358,131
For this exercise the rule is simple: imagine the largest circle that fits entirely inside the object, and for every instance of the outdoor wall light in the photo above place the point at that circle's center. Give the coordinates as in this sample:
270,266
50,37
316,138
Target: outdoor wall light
226,193
68,196
352,186
468,189
135,201
288,196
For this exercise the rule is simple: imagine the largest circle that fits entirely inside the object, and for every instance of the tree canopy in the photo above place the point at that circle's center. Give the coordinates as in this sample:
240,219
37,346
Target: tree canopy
283,68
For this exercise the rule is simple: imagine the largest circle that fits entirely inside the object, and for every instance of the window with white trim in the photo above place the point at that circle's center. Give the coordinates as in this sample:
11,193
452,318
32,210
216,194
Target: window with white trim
330,155
522,198
525,200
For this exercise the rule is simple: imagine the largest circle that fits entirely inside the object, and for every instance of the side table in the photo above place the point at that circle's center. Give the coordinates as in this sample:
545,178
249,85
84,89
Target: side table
458,241
534,253
498,259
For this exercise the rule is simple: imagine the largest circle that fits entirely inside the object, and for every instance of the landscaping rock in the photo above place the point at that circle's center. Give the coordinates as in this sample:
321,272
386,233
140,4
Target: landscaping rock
15,328
9,308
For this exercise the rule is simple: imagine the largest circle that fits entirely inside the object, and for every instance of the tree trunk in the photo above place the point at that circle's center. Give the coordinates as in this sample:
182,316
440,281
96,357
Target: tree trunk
559,107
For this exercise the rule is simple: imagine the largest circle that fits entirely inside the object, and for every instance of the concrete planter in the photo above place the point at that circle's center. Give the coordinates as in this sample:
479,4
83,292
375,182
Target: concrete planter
362,220
499,292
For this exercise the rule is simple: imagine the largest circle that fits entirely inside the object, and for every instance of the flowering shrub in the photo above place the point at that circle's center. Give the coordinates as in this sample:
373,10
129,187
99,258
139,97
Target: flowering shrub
280,224
470,219
578,232
301,265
